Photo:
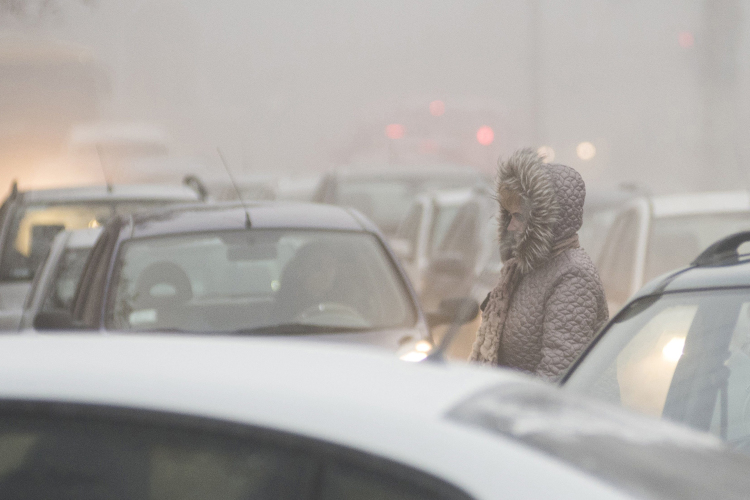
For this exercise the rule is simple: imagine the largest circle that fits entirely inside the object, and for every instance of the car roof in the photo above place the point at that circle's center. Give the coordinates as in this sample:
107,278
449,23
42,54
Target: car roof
354,397
673,205
119,192
232,216
723,275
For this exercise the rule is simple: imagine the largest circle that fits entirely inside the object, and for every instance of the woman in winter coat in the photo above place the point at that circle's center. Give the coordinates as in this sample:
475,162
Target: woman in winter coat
549,302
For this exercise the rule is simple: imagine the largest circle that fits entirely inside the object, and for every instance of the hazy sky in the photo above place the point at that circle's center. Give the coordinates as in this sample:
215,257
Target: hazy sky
284,85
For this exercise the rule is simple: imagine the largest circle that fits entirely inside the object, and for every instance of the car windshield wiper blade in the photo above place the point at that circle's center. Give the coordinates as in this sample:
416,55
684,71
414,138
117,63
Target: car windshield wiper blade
300,329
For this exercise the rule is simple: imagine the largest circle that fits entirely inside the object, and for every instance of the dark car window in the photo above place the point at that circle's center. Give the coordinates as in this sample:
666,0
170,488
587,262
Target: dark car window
461,239
64,284
617,266
408,230
44,458
88,452
681,356
33,228
258,281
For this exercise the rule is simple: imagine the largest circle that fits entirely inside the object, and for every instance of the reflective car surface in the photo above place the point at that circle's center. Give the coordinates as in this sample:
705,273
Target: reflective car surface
680,350
92,416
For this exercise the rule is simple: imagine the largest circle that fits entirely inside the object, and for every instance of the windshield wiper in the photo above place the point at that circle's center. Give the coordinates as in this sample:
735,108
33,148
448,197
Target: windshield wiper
300,329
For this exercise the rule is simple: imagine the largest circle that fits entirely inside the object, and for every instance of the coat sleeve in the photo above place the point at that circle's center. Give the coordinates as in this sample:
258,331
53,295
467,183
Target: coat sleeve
570,322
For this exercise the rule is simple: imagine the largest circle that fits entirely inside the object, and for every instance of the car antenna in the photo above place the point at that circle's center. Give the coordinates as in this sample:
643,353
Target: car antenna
467,311
103,167
236,188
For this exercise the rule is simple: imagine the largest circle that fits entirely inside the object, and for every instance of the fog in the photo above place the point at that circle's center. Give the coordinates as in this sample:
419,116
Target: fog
658,88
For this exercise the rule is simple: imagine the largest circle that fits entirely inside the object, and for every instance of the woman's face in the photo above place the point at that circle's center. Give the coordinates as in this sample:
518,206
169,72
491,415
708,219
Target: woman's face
514,206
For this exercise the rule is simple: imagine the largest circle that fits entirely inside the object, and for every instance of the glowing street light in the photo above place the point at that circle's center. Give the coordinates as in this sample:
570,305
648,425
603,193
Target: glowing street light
485,135
394,131
547,154
437,108
586,151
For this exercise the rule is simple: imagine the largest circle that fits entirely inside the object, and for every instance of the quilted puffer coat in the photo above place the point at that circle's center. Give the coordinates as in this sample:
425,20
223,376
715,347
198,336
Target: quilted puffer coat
557,304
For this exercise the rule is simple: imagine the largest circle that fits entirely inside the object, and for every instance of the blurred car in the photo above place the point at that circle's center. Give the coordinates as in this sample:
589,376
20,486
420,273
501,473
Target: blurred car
384,194
680,349
653,235
158,417
599,212
468,255
255,269
29,221
57,279
423,228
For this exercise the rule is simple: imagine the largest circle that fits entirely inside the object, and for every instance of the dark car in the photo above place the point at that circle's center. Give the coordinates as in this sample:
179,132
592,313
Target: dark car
680,349
258,269
385,194
29,221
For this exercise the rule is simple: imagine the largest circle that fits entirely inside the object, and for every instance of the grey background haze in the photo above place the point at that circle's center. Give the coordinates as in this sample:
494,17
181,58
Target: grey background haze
293,86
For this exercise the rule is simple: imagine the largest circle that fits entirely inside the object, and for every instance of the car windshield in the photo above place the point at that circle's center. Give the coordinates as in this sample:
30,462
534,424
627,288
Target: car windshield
33,228
258,281
676,241
386,201
681,356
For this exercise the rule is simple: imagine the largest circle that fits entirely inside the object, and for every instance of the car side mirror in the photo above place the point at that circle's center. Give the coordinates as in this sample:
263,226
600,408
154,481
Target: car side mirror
460,311
53,320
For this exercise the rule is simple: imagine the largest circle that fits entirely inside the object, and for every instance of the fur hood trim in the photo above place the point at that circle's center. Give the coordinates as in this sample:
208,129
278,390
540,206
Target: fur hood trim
526,174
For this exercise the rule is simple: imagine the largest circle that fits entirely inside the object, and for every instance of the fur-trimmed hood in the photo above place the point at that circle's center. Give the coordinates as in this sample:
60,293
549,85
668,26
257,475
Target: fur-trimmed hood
553,197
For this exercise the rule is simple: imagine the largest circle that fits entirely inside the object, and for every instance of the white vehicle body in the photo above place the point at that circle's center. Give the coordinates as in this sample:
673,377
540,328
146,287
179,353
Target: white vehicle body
361,403
653,235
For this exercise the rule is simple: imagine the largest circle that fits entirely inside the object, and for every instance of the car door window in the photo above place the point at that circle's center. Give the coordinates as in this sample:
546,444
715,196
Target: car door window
89,452
681,356
408,230
44,457
346,482
617,267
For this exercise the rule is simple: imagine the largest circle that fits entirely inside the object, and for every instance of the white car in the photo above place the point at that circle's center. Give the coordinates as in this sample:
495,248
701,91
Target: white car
654,235
125,416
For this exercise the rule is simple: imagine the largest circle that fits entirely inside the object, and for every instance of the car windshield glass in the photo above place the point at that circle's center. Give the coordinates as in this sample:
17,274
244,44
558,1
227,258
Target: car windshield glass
61,291
258,281
386,201
34,227
681,356
676,241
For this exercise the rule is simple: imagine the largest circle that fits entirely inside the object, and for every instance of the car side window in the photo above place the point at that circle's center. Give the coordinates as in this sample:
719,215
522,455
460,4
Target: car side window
409,228
345,482
618,258
85,452
69,457
461,238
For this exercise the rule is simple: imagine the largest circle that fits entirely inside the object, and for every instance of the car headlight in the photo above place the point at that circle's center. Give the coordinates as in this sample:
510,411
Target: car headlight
416,352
